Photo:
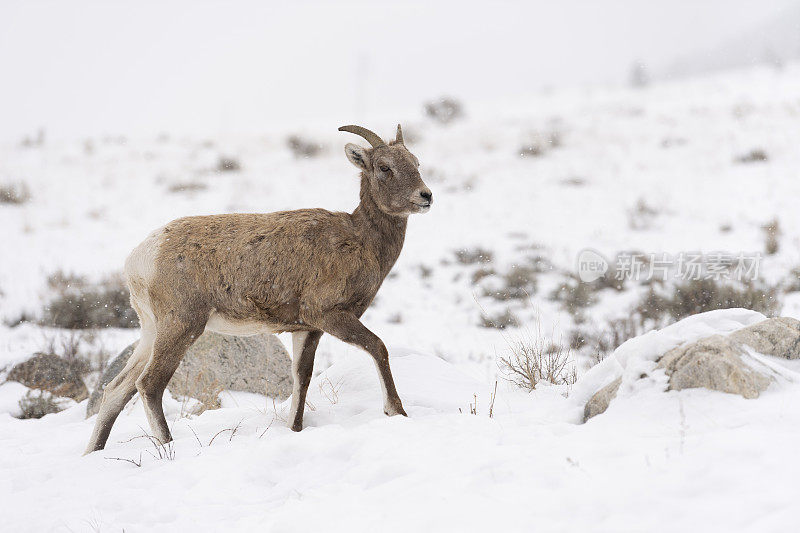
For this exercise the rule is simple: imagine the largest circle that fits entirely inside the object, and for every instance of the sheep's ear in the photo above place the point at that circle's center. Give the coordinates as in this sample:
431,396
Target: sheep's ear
358,156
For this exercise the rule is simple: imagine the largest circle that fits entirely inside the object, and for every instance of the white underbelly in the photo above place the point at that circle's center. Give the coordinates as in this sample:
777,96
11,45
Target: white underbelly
242,328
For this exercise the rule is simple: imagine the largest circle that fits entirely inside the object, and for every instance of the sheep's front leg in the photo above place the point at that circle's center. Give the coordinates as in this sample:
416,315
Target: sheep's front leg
348,328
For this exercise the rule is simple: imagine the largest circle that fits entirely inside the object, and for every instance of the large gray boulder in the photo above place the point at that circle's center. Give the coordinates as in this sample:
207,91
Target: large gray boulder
214,363
719,362
51,373
713,363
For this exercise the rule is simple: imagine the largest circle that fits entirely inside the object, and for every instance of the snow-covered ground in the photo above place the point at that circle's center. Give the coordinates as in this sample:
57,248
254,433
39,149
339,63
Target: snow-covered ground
654,461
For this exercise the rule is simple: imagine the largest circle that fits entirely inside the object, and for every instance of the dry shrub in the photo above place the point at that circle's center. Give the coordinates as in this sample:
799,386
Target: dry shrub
574,182
38,404
14,193
466,256
539,144
187,187
698,296
70,349
756,155
303,148
531,149
21,318
658,308
772,233
444,110
501,320
78,304
574,295
601,342
425,271
641,215
537,361
30,141
83,350
228,164
481,273
792,283
613,278
519,282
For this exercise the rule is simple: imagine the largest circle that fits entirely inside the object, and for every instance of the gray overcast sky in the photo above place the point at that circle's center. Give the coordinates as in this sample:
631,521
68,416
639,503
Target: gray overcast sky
89,68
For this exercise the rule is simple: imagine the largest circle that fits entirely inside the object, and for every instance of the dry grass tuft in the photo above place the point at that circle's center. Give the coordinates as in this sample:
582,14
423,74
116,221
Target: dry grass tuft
537,361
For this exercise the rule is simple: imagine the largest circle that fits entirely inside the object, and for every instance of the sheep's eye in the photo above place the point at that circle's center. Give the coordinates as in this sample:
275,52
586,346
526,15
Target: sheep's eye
384,168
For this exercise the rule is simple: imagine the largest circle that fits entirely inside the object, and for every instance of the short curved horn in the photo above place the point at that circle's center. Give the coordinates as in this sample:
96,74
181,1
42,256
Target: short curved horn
399,137
370,136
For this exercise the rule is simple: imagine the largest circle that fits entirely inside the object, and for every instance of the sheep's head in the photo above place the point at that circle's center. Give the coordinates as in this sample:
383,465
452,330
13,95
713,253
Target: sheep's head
392,173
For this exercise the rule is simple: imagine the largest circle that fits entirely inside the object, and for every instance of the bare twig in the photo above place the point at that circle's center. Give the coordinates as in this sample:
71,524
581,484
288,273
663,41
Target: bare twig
333,397
195,435
235,429
265,429
491,400
218,433
132,461
275,410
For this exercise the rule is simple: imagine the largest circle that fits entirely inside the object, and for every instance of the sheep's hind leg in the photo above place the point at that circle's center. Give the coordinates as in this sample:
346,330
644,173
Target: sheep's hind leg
121,389
171,342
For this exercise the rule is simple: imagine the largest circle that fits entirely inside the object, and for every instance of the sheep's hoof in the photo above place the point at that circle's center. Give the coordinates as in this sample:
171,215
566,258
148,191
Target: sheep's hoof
393,411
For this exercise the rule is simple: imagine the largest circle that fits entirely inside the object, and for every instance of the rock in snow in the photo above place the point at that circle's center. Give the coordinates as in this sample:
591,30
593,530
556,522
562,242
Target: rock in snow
215,363
720,362
598,403
51,373
778,337
713,363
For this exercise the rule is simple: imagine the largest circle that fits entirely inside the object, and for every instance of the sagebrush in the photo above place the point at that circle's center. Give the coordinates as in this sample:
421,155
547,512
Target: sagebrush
536,361
78,304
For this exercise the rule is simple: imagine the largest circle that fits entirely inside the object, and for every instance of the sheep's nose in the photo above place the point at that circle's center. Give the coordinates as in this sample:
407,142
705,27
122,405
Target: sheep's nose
427,196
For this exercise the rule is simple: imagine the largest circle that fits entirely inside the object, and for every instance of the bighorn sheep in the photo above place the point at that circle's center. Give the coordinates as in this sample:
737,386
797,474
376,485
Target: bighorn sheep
308,272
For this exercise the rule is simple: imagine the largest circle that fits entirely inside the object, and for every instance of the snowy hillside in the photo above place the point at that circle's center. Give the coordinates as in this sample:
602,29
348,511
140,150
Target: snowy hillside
654,171
700,165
